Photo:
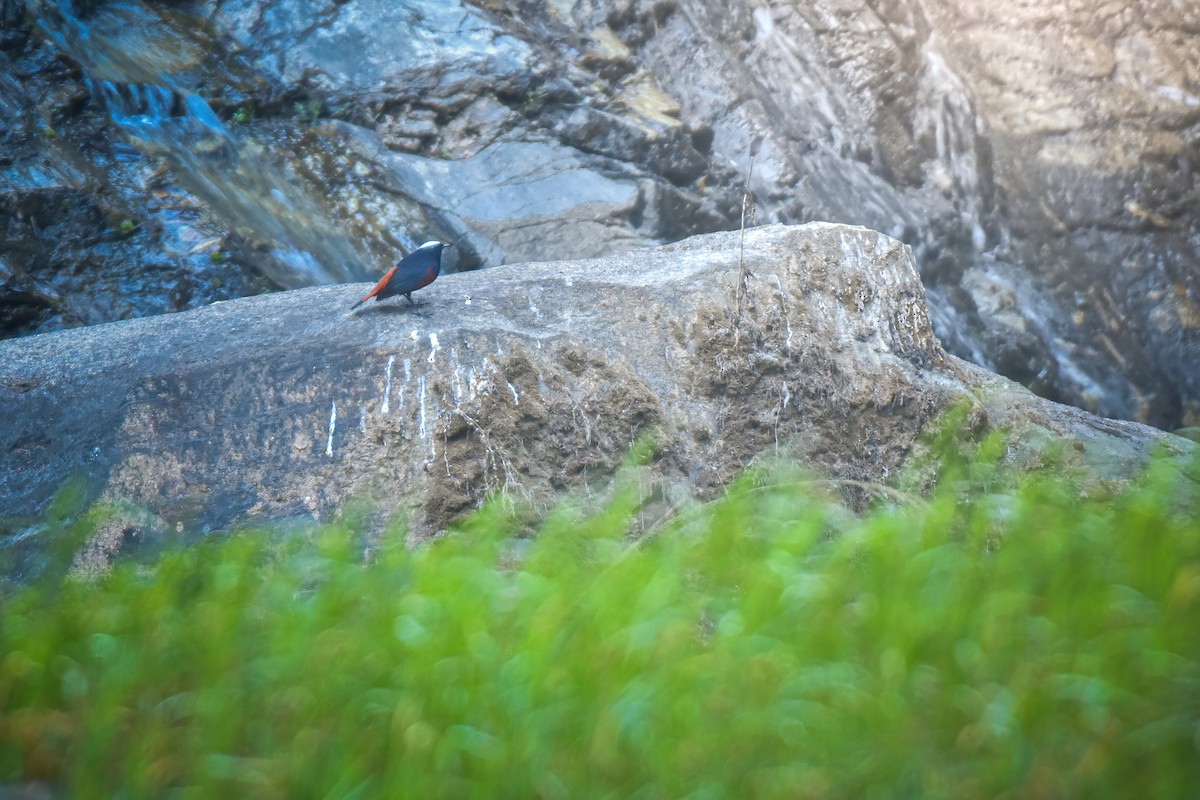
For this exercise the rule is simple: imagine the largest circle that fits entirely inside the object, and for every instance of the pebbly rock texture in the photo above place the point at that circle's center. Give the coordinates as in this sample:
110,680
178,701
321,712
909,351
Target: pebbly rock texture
532,380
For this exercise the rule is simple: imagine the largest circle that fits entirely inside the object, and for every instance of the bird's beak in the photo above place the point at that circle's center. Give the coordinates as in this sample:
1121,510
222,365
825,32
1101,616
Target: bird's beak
447,244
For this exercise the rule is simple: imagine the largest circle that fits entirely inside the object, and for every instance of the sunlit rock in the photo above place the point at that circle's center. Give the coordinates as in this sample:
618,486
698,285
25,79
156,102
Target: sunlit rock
529,382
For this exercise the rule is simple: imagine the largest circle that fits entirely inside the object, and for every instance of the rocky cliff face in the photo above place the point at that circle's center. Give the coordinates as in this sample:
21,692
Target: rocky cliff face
531,381
1092,113
1038,157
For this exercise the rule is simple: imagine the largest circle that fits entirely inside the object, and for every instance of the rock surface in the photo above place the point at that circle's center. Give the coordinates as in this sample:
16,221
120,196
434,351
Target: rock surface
1092,116
1039,157
533,380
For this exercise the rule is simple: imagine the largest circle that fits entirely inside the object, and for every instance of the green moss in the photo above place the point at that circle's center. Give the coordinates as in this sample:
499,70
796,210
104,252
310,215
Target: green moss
991,641
243,114
307,111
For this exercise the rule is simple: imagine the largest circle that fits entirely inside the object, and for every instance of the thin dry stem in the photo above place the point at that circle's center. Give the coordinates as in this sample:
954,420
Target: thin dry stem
743,273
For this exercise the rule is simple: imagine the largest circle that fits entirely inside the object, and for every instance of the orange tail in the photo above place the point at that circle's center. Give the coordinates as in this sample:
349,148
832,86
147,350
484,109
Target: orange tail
378,288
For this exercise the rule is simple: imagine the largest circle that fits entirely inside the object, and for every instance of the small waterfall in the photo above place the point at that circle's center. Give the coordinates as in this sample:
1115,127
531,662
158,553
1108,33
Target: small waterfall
144,69
946,111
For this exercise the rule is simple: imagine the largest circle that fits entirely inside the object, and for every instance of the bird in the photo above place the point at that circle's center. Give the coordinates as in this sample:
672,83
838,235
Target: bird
415,271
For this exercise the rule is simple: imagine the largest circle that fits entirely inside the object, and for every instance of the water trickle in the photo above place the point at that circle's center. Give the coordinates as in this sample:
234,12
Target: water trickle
144,66
945,109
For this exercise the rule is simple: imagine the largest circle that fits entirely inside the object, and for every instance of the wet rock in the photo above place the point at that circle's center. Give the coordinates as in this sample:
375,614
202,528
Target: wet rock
512,200
978,134
1056,140
77,255
1093,116
1016,343
449,83
91,230
530,381
13,30
380,52
668,150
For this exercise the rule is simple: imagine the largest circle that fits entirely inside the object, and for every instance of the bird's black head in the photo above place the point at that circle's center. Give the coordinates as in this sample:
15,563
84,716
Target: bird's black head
431,251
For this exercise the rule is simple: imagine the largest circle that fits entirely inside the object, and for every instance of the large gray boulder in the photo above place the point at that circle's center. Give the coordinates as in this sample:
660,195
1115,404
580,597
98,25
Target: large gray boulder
530,380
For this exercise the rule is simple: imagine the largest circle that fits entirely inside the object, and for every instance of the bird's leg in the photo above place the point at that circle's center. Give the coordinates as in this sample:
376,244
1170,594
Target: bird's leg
408,297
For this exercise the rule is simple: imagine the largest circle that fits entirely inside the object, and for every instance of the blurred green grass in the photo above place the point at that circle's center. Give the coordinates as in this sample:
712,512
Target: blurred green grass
1022,641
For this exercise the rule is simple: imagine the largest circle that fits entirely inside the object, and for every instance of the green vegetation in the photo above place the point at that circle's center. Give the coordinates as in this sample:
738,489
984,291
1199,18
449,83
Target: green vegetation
1024,642
307,111
243,114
